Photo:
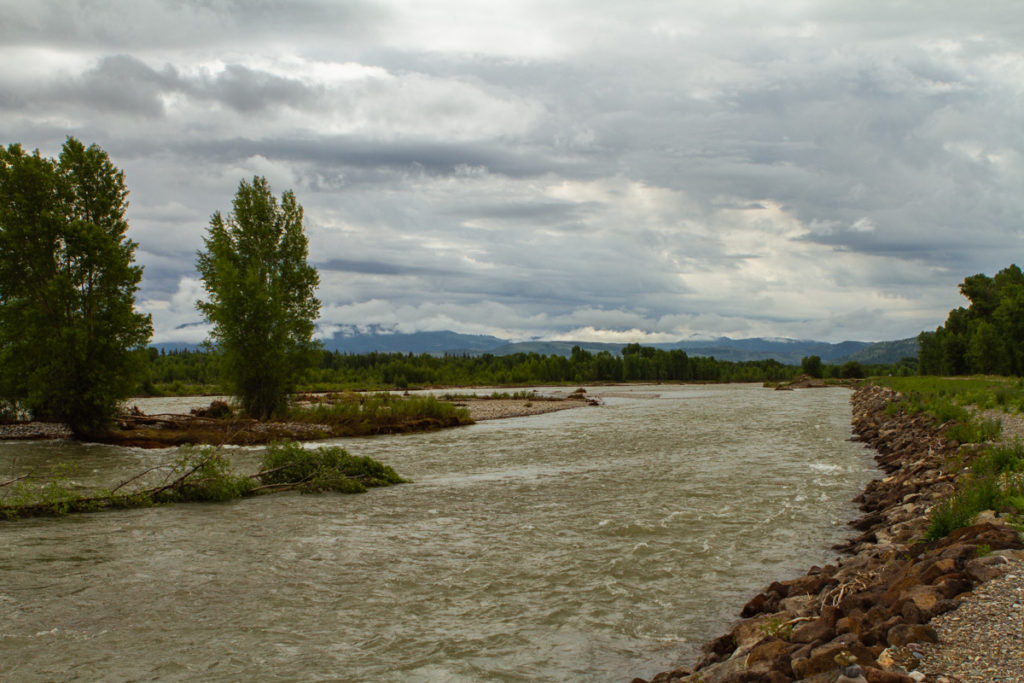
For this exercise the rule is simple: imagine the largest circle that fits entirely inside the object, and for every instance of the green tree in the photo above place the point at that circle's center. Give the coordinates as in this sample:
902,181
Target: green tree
68,328
811,365
987,336
851,369
261,296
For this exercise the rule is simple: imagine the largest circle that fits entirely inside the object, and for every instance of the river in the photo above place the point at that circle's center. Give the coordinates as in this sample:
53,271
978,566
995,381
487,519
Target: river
595,544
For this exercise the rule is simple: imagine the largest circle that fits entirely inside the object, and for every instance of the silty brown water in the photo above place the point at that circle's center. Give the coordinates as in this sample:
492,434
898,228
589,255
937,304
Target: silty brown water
593,544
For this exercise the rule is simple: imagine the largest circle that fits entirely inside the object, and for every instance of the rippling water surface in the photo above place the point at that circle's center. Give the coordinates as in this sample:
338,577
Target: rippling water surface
592,544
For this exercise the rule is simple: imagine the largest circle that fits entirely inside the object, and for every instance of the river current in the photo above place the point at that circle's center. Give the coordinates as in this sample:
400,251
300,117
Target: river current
595,544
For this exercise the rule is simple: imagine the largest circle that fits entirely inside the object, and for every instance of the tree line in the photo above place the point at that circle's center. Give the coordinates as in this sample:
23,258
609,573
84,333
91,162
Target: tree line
188,371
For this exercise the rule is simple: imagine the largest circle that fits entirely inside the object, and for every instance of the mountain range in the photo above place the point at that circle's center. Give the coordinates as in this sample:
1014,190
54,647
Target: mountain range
788,351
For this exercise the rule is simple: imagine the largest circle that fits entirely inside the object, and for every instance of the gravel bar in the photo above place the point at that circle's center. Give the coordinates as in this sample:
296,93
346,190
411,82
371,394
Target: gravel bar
983,639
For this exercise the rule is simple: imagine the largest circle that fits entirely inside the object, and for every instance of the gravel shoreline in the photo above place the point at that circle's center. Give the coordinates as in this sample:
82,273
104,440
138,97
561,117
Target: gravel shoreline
34,430
499,408
982,640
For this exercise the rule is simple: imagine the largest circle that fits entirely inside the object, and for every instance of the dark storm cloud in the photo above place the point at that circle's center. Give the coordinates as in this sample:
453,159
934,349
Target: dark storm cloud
426,156
541,213
128,86
249,91
374,267
122,84
149,24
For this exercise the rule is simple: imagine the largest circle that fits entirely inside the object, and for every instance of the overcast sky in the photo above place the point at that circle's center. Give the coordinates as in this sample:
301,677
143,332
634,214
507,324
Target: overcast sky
609,171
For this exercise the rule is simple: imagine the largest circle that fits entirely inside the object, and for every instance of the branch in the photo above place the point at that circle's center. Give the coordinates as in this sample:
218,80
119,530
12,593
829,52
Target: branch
16,479
138,476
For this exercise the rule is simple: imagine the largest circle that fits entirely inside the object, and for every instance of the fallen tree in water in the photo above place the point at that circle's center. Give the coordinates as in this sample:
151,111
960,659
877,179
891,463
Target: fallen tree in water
200,475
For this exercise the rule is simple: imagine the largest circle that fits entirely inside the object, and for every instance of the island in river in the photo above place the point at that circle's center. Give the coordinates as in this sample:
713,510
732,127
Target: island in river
313,416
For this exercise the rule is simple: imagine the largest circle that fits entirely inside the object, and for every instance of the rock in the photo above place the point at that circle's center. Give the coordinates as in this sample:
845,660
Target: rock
903,634
749,632
850,624
800,605
986,568
822,659
769,650
723,672
952,585
810,631
925,598
761,603
874,675
911,613
897,659
995,537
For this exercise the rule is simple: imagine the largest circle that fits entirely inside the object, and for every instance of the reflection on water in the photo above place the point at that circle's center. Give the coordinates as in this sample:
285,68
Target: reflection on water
598,543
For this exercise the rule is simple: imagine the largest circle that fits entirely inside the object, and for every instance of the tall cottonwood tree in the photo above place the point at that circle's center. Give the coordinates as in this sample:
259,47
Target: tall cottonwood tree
68,327
987,337
261,296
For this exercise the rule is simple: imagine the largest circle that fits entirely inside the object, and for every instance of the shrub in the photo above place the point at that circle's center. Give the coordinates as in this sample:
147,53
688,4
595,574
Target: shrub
207,477
329,468
1000,459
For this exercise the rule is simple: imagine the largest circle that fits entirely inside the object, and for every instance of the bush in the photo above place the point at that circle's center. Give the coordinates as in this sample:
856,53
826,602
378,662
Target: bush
1000,459
328,468
975,431
208,478
959,511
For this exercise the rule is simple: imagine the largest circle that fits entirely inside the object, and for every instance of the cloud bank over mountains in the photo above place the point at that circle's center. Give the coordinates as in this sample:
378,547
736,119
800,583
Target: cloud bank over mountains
590,170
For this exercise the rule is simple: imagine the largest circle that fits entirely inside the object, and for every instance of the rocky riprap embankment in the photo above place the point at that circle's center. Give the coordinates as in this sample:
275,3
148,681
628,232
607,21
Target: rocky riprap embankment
876,602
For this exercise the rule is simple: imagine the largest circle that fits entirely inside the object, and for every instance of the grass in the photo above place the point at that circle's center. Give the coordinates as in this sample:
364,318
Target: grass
522,394
382,413
995,482
987,393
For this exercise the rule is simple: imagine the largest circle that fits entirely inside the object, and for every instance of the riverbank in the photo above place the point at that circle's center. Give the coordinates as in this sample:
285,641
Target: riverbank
878,601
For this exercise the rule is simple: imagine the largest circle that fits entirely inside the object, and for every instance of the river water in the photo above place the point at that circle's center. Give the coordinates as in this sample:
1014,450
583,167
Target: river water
596,544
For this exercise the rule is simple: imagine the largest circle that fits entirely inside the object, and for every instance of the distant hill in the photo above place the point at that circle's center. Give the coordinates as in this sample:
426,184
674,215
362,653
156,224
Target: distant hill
789,351
887,352
440,342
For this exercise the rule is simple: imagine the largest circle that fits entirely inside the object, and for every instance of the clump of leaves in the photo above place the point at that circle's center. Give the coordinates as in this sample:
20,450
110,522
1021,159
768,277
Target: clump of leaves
204,475
53,493
328,468
776,628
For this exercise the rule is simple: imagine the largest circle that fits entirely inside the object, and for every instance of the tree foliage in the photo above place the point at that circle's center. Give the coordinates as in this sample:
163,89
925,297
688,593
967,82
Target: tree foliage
260,296
68,328
811,365
987,337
